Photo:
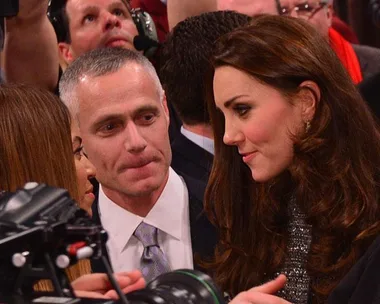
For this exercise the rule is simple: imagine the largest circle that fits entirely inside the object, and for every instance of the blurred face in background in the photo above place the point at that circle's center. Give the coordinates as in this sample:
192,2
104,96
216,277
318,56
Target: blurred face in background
85,171
249,7
97,23
318,13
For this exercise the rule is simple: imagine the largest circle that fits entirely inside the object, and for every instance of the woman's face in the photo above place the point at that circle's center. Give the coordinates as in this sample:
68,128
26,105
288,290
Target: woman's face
85,171
259,121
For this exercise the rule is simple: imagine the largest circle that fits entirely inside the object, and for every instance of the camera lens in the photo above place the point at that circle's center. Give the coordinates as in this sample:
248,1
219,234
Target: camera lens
182,286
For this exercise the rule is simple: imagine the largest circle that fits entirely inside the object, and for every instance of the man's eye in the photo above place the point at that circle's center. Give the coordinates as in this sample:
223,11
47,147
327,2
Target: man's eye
305,7
118,12
109,128
147,119
88,18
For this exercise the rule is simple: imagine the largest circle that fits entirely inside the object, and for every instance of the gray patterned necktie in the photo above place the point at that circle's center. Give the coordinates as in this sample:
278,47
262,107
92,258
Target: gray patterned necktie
153,261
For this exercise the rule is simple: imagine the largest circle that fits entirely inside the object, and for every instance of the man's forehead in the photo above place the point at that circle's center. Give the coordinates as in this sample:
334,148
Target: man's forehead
295,2
249,7
130,80
83,4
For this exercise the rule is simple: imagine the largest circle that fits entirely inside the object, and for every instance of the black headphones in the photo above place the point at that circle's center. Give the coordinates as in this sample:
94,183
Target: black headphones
146,40
374,10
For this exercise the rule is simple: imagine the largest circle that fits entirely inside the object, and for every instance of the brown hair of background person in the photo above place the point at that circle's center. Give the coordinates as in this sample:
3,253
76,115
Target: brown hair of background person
333,175
35,145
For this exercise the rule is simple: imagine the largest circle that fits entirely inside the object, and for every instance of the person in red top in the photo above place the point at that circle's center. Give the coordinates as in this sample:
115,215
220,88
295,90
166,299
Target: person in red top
360,61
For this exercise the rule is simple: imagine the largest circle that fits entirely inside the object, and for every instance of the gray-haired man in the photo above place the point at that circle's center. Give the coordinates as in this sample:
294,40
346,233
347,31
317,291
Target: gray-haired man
121,108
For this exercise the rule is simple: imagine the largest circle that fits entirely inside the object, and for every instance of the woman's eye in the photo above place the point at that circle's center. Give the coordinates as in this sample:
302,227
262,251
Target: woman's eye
241,110
78,153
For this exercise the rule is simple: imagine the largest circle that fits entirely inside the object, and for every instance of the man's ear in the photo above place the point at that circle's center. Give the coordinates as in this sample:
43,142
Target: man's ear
329,13
309,96
65,52
165,106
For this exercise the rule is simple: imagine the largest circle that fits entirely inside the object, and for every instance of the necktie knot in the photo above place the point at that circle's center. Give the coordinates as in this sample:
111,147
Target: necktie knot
153,261
146,234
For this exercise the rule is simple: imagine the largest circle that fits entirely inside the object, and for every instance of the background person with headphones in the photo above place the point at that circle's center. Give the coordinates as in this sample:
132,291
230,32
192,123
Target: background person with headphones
78,26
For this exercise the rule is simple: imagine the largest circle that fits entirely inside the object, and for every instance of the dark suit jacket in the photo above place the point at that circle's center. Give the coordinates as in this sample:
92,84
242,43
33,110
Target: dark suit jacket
190,159
362,283
203,233
370,90
369,59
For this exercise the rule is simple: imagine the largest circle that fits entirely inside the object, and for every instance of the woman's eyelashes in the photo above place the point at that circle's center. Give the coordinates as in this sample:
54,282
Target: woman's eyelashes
78,152
241,109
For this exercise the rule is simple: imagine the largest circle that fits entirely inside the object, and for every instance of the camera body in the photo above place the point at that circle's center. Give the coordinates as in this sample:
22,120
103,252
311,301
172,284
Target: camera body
38,227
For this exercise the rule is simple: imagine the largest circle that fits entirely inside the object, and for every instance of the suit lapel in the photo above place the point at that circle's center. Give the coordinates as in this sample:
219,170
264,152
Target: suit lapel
203,233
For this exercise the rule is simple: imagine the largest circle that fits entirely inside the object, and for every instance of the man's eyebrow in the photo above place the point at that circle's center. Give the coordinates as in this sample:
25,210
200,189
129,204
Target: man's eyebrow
102,119
118,4
86,9
145,109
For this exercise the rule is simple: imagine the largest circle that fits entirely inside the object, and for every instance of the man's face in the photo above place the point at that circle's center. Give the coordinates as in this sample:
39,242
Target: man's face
124,126
97,23
249,7
319,15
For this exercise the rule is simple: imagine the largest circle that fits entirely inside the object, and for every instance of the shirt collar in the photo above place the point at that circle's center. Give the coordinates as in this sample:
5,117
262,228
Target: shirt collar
202,141
167,214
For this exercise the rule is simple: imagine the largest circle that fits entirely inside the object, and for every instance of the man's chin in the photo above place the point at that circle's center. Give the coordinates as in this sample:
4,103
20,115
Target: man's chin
121,44
142,191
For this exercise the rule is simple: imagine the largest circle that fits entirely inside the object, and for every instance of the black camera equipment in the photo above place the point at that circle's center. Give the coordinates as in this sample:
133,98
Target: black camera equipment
8,8
42,232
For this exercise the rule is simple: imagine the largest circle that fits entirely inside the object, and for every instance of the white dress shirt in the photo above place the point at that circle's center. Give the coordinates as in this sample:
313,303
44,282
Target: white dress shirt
170,215
204,142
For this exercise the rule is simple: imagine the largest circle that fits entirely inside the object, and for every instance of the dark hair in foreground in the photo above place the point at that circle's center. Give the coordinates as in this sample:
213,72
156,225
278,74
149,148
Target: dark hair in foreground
186,59
334,176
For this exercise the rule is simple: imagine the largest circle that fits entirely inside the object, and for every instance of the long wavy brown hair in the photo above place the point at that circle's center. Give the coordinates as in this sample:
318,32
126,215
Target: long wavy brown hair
334,176
35,145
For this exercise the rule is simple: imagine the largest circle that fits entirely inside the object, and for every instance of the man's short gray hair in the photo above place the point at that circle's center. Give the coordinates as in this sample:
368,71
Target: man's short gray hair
100,62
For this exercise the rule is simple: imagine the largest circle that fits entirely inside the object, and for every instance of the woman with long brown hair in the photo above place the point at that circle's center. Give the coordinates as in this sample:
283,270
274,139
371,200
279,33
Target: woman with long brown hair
38,143
294,187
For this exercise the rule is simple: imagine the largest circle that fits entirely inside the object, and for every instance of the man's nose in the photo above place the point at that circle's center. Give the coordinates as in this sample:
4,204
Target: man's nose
111,21
134,141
